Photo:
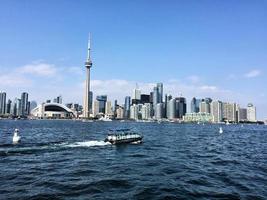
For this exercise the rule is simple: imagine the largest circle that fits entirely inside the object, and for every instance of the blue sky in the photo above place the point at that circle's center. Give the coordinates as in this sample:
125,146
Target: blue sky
197,48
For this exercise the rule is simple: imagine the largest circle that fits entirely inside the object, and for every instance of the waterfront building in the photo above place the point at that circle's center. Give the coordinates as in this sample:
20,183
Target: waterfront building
52,111
24,104
242,114
198,117
13,111
251,113
160,92
2,103
136,96
120,112
108,109
8,107
171,109
102,99
230,112
88,65
58,99
146,111
151,97
159,111
96,108
216,111
180,107
155,98
144,98
195,105
127,104
134,112
18,108
204,107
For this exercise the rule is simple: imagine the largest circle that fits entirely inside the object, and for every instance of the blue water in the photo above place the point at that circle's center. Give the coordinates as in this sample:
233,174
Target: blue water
69,160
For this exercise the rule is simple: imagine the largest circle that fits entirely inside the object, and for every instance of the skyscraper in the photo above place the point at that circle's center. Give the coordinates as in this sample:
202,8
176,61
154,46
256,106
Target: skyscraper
136,96
155,98
2,103
102,99
127,104
251,113
217,111
195,105
160,92
180,107
88,65
24,104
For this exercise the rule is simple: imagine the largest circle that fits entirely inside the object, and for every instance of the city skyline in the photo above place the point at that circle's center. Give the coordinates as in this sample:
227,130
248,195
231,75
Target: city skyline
185,62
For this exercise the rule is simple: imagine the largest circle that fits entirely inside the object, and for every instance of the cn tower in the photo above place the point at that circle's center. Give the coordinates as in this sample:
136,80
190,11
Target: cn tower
88,65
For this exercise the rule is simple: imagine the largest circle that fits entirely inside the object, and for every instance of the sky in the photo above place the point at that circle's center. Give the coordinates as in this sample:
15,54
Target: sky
202,48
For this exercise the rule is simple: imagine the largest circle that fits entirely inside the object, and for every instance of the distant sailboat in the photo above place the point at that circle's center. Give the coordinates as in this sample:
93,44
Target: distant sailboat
221,130
16,137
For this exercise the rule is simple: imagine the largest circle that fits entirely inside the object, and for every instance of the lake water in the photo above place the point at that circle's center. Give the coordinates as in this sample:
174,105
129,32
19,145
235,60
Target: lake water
64,159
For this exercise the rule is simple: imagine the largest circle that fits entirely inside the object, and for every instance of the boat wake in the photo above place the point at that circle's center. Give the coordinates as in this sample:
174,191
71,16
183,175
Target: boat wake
34,148
92,143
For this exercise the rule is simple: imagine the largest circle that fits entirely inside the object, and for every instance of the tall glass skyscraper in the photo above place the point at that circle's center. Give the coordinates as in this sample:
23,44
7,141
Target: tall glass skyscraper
2,103
127,105
195,105
24,104
102,99
160,92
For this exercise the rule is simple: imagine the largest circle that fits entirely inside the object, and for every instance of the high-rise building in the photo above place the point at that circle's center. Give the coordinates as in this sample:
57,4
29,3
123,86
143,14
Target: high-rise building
136,96
88,65
251,113
146,111
216,111
102,99
160,92
204,107
2,103
195,105
134,112
58,99
96,108
24,104
108,109
151,97
127,104
180,107
155,97
119,112
19,108
229,112
144,98
242,114
8,106
171,109
159,111
14,108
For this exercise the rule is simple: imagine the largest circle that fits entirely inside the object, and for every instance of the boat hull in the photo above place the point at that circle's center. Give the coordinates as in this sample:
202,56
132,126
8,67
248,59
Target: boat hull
125,141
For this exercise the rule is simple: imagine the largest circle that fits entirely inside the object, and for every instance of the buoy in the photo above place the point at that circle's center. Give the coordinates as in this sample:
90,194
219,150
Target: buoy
221,130
16,137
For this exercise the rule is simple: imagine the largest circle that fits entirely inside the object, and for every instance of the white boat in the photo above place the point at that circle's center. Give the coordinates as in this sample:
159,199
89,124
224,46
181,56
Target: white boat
16,137
105,119
220,130
122,136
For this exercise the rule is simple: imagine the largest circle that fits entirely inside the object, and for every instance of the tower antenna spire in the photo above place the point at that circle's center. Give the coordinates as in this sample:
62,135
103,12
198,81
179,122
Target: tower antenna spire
89,47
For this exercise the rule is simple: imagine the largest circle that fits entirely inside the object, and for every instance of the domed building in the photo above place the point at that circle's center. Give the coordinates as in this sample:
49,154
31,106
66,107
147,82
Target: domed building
52,111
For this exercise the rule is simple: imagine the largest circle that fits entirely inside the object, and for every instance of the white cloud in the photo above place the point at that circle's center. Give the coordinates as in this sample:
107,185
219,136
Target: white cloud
14,80
253,73
38,68
193,78
208,87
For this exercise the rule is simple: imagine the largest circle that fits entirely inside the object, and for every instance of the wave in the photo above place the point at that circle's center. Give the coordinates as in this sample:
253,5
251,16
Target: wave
92,143
11,149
